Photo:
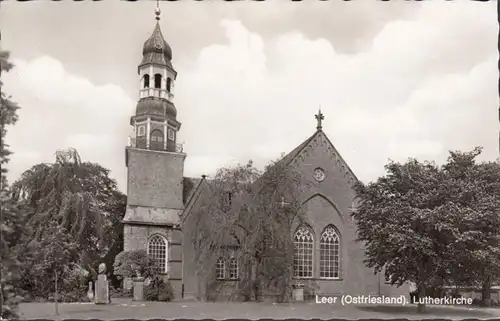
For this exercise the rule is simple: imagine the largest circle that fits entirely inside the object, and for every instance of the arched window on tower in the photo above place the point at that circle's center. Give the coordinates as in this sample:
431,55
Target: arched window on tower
329,253
169,84
303,253
157,81
146,81
156,140
158,250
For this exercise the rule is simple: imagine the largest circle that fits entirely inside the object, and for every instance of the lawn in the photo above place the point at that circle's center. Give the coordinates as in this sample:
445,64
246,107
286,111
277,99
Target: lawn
126,309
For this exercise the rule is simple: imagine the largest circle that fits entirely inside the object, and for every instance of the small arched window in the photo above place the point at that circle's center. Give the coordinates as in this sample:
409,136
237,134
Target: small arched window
157,81
157,250
169,84
141,130
220,269
233,269
171,134
146,81
303,254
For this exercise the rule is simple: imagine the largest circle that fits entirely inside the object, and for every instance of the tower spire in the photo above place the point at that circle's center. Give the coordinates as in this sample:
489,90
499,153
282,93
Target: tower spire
157,10
319,118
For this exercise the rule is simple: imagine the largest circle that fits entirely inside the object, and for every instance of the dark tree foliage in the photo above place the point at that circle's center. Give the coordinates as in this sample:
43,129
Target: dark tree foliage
11,222
79,198
430,225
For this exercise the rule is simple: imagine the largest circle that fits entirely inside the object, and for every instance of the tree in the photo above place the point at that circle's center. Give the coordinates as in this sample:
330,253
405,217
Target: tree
51,259
243,212
78,195
81,199
479,190
8,117
115,208
422,223
11,224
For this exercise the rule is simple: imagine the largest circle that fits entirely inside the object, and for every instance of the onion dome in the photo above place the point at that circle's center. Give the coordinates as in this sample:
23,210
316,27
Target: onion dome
156,50
155,106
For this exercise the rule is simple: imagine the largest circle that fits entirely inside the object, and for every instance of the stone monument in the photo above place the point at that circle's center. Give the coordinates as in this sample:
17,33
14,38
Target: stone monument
90,292
101,286
138,288
298,292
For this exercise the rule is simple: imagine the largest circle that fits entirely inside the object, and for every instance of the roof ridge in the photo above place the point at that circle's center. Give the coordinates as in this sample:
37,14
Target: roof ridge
290,157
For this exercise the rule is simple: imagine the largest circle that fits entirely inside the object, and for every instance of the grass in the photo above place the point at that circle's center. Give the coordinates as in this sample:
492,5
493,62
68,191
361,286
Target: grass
127,309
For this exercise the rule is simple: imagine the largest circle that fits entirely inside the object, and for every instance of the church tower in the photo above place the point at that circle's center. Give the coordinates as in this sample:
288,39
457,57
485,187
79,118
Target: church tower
155,162
155,120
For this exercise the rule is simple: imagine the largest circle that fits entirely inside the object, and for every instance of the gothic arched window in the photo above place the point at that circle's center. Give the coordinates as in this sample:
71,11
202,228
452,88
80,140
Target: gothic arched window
329,253
158,251
169,84
146,81
220,269
157,81
156,140
303,253
233,269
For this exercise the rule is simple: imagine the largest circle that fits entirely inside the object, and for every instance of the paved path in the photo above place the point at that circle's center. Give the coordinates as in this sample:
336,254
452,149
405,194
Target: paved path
126,309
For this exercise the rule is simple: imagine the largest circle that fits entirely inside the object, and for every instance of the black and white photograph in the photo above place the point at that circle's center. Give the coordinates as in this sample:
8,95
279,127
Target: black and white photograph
249,159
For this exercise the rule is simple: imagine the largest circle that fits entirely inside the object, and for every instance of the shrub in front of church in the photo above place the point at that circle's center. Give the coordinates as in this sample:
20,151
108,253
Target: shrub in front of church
120,292
158,290
130,264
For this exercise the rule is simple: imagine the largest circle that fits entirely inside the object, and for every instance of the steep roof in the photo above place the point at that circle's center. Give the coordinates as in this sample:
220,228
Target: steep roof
190,186
293,155
288,158
193,192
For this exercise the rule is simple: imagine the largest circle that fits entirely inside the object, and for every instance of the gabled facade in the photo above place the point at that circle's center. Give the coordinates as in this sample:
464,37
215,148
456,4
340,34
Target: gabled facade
326,251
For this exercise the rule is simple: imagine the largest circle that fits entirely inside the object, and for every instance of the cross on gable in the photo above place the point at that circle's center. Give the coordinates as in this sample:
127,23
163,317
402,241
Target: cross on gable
319,118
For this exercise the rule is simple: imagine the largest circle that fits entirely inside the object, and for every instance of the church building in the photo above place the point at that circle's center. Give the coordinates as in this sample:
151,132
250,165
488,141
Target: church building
160,197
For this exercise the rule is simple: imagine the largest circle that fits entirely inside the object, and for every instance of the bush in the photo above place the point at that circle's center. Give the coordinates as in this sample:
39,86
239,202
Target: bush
120,293
159,290
128,263
75,295
167,293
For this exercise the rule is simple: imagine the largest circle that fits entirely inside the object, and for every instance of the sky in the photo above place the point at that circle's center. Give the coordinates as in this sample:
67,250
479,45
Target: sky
394,79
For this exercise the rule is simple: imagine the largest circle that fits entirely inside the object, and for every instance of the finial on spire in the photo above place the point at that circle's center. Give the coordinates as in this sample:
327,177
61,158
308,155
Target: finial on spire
319,118
157,10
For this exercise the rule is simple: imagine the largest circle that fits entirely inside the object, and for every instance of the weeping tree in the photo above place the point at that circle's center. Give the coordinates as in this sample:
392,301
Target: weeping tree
249,215
64,192
79,198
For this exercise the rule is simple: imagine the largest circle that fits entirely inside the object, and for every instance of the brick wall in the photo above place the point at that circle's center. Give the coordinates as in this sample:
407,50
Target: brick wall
136,238
155,178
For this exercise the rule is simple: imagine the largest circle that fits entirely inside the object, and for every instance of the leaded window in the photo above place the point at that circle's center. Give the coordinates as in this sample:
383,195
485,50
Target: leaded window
303,253
233,269
329,254
157,250
220,269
